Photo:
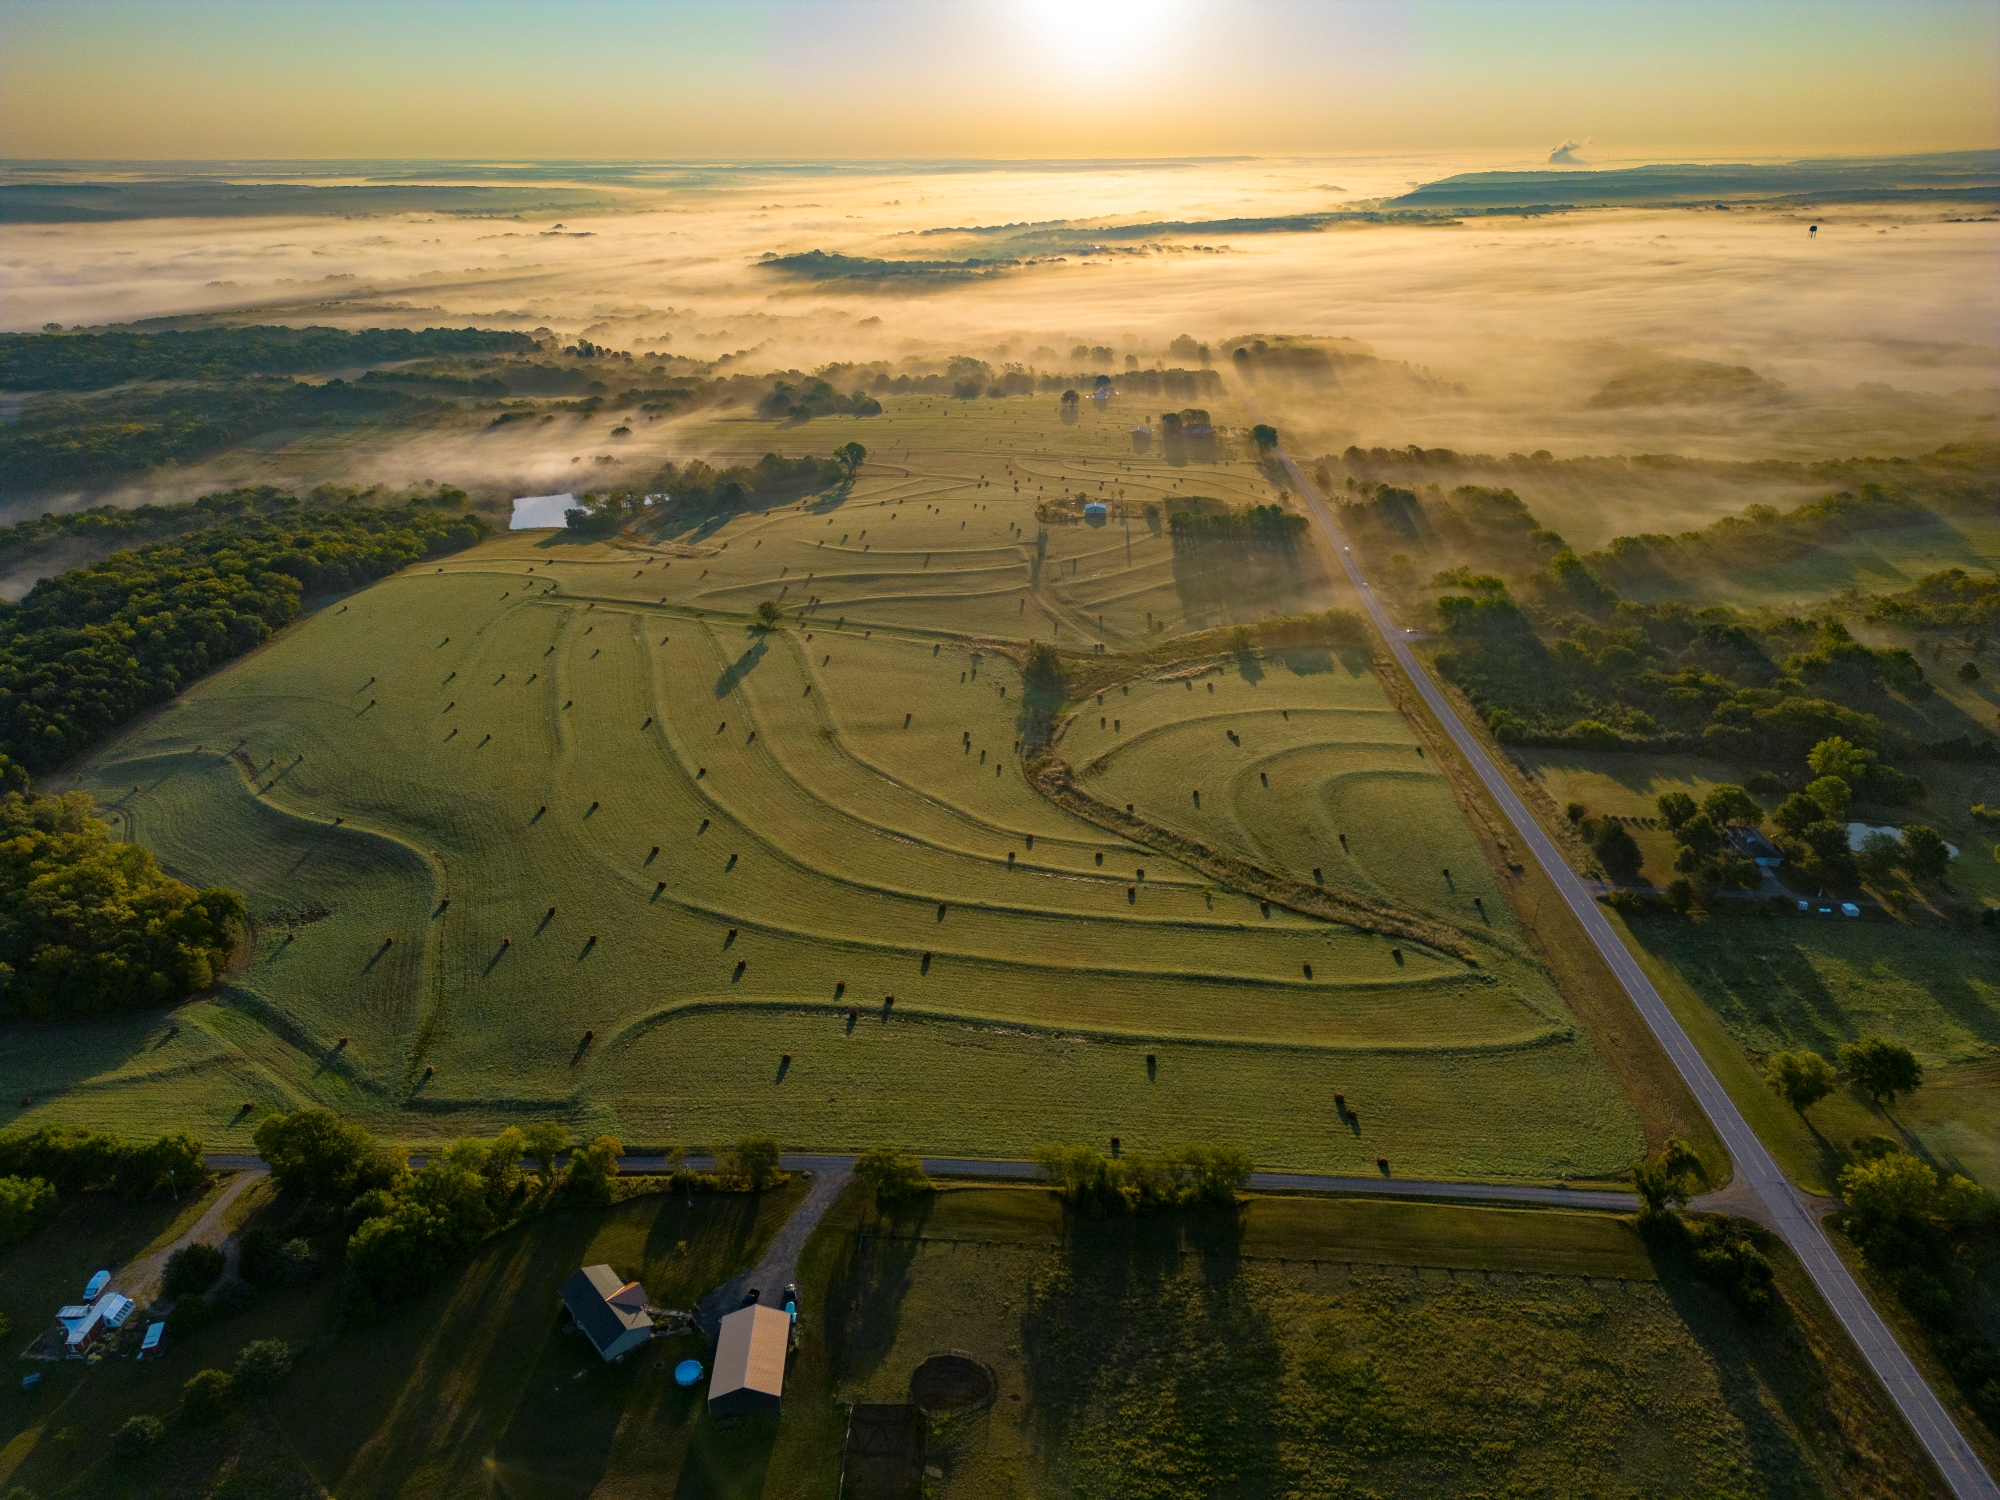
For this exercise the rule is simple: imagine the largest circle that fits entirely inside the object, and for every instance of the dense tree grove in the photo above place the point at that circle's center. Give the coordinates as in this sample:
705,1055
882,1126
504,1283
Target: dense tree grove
71,441
1204,1177
88,649
92,361
1251,526
1929,1240
90,926
118,524
41,1167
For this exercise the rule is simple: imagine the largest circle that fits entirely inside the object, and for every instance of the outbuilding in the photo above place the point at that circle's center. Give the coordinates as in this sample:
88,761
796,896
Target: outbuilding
106,1315
613,1313
1096,510
750,1348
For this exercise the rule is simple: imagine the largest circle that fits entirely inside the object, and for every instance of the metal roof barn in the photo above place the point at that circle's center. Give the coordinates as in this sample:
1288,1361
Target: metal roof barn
750,1348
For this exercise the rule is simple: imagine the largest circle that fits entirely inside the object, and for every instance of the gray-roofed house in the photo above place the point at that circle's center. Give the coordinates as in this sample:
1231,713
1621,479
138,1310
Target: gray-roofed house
611,1312
750,1348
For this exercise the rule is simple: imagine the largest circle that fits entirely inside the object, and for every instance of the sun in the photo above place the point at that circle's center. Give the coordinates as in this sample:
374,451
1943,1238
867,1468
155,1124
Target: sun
1100,34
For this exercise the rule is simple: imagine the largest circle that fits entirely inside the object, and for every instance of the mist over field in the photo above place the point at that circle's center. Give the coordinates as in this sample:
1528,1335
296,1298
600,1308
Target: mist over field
1715,328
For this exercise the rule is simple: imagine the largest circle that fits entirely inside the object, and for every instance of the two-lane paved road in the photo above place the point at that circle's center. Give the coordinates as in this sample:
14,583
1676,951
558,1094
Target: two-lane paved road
1787,1212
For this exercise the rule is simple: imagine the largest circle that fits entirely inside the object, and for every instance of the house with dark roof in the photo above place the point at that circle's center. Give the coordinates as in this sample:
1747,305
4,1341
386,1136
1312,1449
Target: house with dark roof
613,1313
1752,845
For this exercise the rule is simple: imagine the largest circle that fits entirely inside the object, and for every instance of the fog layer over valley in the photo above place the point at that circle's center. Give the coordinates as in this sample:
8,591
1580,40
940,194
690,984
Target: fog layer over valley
1716,330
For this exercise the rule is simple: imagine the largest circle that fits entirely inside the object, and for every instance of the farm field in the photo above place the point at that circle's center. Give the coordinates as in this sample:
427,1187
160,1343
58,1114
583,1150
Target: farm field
549,829
1304,1351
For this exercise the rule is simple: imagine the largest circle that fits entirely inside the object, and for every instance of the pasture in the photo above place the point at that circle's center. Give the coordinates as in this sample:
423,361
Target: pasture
551,829
1324,1347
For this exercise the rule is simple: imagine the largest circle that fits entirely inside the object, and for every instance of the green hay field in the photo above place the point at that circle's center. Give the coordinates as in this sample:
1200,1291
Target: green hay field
1351,1347
552,821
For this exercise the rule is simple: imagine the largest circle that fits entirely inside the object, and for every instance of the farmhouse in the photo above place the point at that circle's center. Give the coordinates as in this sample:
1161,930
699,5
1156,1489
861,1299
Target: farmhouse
1753,846
750,1348
613,1314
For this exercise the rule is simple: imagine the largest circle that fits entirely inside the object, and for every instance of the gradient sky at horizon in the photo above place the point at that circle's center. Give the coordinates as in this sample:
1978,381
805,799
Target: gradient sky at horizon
209,79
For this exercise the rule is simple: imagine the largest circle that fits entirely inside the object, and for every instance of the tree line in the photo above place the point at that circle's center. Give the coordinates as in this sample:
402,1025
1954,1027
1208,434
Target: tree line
92,361
90,926
88,649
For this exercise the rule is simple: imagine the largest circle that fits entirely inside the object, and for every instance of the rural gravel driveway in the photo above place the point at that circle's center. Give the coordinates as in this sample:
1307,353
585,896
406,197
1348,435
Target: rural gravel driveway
140,1279
1786,1210
780,1264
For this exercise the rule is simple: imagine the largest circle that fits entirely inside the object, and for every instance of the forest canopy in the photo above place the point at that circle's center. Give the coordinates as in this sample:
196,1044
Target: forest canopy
90,926
88,649
92,361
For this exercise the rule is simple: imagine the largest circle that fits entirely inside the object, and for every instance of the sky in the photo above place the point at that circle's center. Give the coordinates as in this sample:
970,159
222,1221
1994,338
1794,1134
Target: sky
1617,80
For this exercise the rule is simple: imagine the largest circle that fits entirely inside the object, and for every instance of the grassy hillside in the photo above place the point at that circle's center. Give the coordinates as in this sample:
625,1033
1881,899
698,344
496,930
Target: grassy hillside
553,822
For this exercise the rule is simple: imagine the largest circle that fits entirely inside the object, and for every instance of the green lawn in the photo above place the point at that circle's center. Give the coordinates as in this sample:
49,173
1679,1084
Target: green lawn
543,821
1343,1347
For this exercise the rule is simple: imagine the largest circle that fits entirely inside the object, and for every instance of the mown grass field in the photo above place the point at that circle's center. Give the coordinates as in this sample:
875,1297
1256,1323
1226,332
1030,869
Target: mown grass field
1353,1347
550,830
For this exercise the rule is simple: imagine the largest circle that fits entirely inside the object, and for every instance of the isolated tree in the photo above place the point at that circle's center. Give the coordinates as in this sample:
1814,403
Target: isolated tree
768,614
592,1168
1617,851
262,1366
1732,804
851,457
543,1142
895,1176
192,1270
757,1161
205,1398
1968,672
139,1436
1043,667
1668,1180
1070,400
1880,1068
1801,1079
1676,808
1879,855
1925,853
1265,436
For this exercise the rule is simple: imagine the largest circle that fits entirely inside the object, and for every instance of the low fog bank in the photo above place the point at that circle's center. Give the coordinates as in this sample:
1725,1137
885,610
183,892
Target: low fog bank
1725,334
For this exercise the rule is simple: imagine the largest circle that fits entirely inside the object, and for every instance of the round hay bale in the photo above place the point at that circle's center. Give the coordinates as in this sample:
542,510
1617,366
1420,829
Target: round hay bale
948,1382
